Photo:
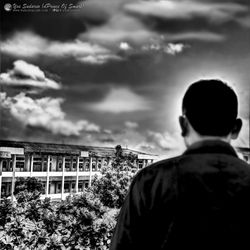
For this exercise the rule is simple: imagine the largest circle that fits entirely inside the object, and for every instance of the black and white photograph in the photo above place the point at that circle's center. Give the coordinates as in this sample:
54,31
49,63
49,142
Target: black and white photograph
124,124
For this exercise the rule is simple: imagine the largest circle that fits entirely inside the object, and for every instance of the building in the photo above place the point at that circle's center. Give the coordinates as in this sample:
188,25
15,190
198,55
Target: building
63,169
244,153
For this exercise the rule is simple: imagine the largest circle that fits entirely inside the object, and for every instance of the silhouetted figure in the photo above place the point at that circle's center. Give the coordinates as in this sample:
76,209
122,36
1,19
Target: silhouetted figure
201,199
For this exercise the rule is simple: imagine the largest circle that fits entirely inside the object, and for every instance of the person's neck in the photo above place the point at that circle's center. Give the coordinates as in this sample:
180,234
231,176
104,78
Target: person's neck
195,137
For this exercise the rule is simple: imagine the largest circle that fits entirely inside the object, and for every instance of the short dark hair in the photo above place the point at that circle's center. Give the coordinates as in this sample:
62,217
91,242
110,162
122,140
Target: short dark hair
211,107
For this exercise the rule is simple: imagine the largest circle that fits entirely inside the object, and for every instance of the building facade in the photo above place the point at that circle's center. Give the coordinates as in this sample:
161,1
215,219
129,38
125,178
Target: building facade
244,153
63,169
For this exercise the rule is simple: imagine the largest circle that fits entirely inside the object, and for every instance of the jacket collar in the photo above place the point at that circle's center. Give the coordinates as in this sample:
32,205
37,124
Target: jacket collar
211,147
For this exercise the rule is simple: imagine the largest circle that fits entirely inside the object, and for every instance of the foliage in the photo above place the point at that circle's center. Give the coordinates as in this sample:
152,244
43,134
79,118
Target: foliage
27,189
31,184
113,186
79,222
6,210
83,221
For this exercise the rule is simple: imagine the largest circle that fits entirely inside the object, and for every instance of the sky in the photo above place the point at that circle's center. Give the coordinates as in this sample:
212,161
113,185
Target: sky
108,72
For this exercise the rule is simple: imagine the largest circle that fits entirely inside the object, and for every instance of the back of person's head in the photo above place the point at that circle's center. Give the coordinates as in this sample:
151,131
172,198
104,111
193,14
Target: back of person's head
211,107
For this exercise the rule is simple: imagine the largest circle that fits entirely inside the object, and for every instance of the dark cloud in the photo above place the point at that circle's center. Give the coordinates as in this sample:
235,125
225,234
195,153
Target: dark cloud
59,26
136,70
198,28
217,13
192,17
245,2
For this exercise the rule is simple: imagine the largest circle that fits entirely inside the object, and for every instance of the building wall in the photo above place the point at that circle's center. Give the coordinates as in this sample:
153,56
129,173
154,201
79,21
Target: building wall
244,154
72,172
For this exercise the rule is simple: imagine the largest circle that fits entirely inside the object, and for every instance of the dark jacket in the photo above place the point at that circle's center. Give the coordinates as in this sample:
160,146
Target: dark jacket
199,200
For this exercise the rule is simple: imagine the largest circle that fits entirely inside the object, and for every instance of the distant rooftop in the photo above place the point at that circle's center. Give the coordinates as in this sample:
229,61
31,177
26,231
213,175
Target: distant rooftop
53,148
243,149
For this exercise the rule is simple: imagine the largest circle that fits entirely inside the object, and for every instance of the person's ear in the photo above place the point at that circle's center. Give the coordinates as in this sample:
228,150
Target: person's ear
236,129
184,125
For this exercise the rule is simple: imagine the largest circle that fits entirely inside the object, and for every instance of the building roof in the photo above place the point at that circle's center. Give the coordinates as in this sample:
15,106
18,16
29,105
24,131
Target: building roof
243,149
52,148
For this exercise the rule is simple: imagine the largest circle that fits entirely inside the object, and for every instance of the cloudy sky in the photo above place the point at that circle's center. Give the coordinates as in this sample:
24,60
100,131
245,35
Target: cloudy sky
114,71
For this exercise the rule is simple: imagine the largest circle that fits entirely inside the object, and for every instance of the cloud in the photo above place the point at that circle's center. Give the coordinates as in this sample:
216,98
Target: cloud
27,44
120,100
119,28
174,49
244,21
129,26
99,59
213,12
124,46
155,45
76,48
25,74
24,44
159,45
166,141
195,35
96,12
131,125
146,147
107,131
44,113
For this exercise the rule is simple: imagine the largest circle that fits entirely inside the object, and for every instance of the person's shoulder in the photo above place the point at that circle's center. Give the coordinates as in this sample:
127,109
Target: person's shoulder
159,168
239,162
168,163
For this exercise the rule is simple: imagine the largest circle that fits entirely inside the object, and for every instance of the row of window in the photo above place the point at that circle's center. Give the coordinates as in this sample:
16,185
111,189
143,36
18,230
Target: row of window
56,163
55,187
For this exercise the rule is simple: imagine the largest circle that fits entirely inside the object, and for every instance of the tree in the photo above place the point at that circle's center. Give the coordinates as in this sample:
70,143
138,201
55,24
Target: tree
112,187
27,189
6,211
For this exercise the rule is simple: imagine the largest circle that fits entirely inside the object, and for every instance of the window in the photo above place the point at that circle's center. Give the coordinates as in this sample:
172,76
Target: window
86,184
66,187
67,164
140,164
44,165
81,160
73,185
94,166
86,165
4,165
60,165
44,187
74,163
80,186
99,164
37,164
58,188
19,166
80,166
3,190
